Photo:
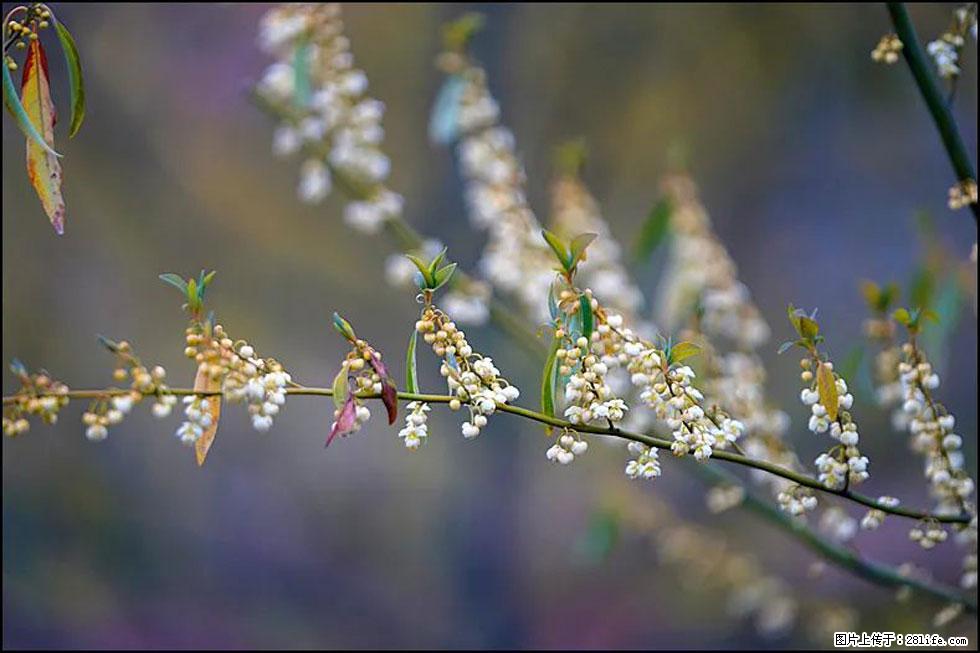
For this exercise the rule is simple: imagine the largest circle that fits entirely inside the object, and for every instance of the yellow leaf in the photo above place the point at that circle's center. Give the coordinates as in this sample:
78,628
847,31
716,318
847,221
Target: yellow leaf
43,168
204,383
827,388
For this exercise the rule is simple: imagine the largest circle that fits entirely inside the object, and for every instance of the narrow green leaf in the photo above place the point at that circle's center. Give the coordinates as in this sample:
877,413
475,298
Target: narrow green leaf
341,387
585,307
902,316
548,381
193,299
76,82
444,121
301,73
558,247
411,368
176,281
423,269
553,309
343,327
577,248
654,229
111,345
436,262
809,328
783,348
443,275
16,109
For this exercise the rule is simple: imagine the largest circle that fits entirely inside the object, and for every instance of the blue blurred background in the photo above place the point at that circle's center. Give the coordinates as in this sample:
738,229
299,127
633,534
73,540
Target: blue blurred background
812,161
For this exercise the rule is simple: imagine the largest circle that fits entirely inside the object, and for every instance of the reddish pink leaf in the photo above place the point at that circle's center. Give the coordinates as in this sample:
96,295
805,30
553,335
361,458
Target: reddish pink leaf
345,421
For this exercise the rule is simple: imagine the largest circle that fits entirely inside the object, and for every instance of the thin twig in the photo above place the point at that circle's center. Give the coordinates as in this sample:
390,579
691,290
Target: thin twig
916,59
649,440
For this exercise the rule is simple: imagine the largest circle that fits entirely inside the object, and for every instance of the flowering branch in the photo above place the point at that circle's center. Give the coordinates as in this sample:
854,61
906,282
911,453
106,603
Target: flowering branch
915,57
648,440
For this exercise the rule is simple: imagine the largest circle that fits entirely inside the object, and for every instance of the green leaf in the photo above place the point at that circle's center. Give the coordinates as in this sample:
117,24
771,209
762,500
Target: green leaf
553,309
577,248
76,82
444,121
793,314
343,327
683,350
558,247
16,109
111,345
301,73
411,368
902,316
548,381
809,328
585,307
423,269
436,262
783,348
827,389
443,275
193,299
654,229
176,281
341,387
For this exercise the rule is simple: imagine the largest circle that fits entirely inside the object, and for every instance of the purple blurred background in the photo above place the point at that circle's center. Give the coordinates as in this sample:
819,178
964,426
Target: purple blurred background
812,161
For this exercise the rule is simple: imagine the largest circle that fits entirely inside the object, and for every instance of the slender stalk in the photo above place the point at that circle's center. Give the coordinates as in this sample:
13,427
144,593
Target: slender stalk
872,571
649,440
918,63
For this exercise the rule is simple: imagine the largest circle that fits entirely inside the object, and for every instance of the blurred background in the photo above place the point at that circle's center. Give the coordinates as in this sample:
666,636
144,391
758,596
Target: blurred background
812,161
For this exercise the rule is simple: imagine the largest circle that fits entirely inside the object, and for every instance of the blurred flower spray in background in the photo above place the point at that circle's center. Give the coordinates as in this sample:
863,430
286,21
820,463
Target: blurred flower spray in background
326,115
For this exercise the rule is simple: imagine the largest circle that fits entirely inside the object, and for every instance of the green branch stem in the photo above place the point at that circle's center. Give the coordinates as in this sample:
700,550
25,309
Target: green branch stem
874,572
648,440
939,109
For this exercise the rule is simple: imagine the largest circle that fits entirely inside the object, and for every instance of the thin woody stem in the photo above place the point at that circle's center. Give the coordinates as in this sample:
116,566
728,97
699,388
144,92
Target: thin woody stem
648,440
916,59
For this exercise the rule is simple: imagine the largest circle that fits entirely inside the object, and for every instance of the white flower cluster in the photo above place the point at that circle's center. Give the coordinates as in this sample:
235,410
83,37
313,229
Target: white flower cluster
472,379
874,517
416,430
644,462
516,257
266,394
945,52
887,49
670,391
838,525
564,450
314,81
797,500
39,395
844,463
241,375
962,194
199,419
586,364
575,211
700,272
931,428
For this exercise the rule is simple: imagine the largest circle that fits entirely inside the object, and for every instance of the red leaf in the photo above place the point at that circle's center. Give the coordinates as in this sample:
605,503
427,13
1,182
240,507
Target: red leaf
345,421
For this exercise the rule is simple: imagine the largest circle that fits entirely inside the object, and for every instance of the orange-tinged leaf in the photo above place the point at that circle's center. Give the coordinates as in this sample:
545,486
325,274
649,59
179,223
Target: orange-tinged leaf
204,383
827,389
43,168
